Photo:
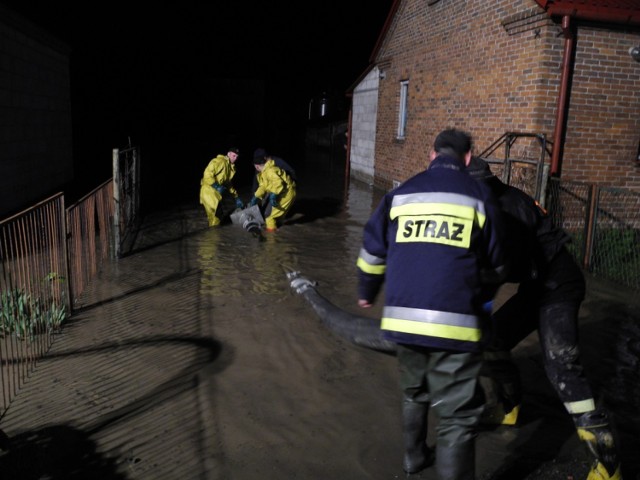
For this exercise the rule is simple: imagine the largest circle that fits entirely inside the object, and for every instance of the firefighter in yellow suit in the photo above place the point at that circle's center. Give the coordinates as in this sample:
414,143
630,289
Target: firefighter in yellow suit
277,185
217,180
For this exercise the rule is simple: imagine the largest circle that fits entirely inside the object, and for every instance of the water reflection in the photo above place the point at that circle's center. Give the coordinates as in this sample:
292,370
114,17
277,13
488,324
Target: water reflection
235,262
219,259
277,254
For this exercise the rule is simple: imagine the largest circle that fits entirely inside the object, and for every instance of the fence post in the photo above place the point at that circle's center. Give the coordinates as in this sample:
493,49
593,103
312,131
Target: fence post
543,186
590,226
116,204
65,252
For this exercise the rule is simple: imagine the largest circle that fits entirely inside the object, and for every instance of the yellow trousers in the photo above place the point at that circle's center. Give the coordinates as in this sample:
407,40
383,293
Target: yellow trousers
278,213
210,199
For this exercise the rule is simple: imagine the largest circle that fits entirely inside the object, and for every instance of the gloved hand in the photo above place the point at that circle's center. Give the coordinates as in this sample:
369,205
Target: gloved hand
239,203
487,307
254,201
220,188
273,199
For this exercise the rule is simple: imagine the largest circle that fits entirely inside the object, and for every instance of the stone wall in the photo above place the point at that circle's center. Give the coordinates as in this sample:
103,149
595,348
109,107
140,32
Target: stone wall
363,126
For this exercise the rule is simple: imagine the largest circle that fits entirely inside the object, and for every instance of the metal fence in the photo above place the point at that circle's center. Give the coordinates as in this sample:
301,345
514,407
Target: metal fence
90,226
34,290
604,223
48,255
524,163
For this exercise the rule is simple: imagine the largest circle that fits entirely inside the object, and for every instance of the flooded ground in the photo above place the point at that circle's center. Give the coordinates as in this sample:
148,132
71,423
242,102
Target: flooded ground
192,358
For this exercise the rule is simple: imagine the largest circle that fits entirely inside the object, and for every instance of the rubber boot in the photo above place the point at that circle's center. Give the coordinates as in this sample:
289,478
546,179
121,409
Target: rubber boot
417,456
456,462
500,380
594,429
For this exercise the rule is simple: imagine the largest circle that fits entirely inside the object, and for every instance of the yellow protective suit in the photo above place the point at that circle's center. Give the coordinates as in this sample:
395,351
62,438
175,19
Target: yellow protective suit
273,179
220,170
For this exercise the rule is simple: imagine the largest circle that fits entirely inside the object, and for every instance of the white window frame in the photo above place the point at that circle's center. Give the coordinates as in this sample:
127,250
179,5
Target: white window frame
402,111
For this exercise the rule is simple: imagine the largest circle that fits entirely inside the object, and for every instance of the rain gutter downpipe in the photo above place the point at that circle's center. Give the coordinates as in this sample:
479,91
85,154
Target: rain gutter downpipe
569,45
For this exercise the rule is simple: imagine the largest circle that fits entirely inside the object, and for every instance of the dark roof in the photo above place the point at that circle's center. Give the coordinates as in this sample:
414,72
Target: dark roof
623,12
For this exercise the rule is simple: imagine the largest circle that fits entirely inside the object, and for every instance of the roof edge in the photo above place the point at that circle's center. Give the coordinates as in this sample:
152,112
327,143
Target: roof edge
385,29
591,13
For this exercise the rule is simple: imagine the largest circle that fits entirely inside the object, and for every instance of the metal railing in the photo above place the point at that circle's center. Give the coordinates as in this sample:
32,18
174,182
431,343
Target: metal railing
48,256
34,293
90,226
523,164
604,223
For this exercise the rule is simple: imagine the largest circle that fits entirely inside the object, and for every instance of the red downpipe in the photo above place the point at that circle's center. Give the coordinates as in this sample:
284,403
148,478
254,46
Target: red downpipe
569,42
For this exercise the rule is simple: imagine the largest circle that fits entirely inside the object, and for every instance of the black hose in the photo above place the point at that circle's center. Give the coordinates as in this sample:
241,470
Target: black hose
362,331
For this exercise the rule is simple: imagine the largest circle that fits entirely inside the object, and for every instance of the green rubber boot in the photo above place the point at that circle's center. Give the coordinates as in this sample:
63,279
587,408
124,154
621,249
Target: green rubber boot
417,455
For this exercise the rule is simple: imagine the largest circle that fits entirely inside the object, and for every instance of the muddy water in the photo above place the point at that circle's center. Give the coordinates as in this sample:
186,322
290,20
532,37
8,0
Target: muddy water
295,401
321,237
193,358
288,400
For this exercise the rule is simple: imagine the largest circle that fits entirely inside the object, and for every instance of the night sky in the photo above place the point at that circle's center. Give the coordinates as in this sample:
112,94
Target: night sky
148,72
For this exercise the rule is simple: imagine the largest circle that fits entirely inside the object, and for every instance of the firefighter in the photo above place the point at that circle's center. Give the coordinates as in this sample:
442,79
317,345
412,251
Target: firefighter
435,242
281,163
277,186
551,289
217,181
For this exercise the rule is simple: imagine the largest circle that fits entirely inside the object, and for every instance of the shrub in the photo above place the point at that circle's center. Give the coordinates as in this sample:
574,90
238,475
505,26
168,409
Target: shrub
25,316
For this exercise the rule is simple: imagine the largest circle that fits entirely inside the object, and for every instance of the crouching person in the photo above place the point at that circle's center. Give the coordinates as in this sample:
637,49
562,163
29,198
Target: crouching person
276,185
551,289
217,180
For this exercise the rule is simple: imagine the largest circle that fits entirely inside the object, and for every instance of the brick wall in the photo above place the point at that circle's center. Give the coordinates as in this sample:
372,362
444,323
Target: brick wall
35,114
603,123
494,67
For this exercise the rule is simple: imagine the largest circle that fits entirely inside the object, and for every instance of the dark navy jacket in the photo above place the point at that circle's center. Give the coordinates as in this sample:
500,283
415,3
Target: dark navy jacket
436,243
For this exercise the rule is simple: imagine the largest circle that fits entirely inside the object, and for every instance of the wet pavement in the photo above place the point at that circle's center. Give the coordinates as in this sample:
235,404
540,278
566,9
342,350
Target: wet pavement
192,358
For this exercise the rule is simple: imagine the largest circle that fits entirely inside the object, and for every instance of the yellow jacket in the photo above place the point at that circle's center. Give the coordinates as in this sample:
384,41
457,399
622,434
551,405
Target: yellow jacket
273,179
221,171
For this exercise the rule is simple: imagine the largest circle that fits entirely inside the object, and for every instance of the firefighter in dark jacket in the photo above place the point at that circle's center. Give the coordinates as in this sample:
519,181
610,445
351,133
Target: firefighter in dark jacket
436,243
551,289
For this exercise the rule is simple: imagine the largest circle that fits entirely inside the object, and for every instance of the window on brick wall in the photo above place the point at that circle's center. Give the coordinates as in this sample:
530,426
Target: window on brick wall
402,111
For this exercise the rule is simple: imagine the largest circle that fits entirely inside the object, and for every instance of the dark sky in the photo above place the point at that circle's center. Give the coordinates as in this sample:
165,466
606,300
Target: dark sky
148,71
332,40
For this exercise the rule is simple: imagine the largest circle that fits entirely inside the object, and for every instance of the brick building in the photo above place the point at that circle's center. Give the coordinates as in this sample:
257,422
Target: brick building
566,70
